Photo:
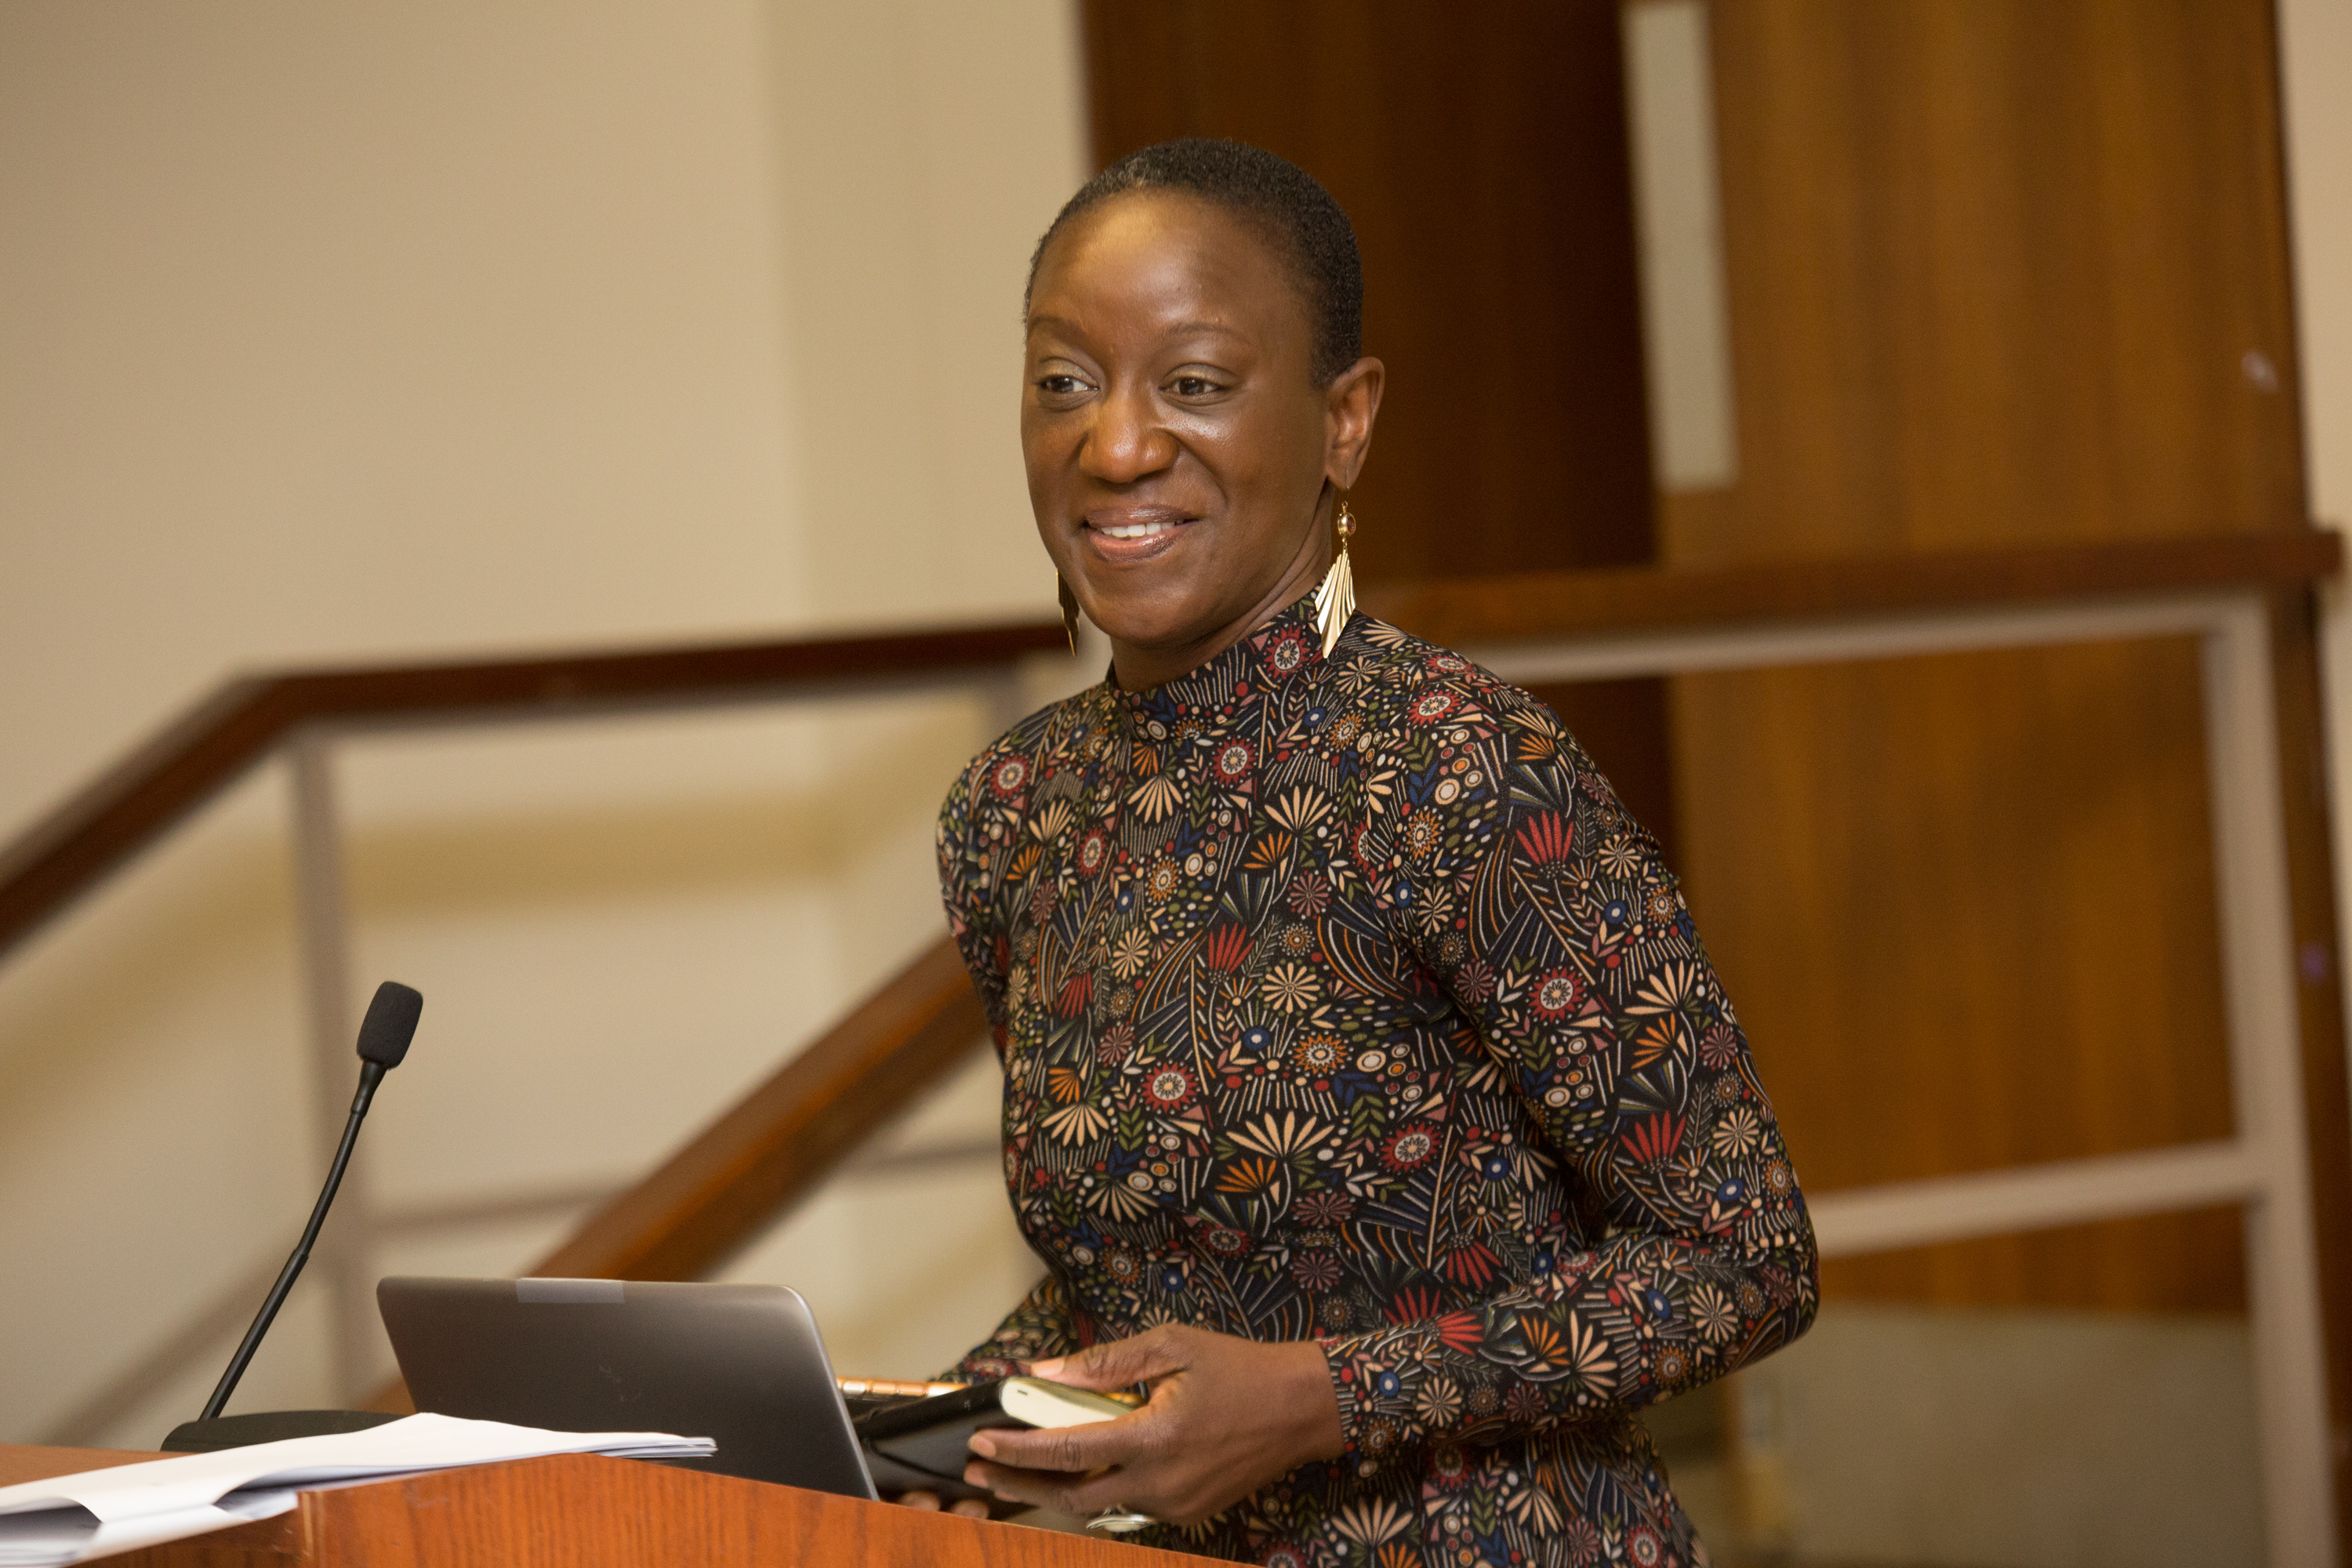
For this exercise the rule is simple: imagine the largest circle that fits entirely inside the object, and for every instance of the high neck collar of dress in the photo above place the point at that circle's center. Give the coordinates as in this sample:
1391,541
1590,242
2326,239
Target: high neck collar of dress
1278,649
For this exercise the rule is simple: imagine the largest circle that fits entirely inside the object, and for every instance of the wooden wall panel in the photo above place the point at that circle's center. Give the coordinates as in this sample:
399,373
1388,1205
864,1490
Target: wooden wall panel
1994,268
2189,1262
1481,153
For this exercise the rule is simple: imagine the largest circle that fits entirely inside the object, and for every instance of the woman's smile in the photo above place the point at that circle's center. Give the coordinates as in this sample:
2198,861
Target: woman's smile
1130,535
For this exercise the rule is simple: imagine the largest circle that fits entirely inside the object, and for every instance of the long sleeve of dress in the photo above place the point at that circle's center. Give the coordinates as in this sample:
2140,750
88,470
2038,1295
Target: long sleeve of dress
1508,869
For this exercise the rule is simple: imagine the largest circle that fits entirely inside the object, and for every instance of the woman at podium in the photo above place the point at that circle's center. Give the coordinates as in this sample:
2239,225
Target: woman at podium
1366,1087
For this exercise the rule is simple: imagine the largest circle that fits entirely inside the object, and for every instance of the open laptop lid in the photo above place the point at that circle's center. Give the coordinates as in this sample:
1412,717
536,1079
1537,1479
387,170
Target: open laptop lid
741,1364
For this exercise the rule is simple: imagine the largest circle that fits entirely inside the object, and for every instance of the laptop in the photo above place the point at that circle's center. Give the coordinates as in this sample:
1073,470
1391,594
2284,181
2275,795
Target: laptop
741,1364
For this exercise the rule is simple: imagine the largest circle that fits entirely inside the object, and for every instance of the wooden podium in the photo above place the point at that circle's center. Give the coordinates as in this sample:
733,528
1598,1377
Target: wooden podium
579,1512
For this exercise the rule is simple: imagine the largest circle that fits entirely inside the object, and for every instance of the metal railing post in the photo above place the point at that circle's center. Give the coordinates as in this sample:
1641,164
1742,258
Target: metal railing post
2249,869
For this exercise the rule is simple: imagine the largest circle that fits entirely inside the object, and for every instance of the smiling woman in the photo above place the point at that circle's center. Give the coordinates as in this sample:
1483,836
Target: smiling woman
1367,1090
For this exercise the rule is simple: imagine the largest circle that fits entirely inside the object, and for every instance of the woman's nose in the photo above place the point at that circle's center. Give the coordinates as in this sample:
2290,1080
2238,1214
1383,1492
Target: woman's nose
1127,441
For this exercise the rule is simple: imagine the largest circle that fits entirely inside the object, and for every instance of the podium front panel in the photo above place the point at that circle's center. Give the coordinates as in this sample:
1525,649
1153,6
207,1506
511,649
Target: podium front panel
577,1510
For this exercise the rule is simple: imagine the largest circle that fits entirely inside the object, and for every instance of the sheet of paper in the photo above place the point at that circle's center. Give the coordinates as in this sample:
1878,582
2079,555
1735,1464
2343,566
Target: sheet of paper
69,1519
58,1536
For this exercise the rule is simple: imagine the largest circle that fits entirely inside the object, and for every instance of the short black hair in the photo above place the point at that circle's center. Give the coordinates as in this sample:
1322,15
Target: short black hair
1277,195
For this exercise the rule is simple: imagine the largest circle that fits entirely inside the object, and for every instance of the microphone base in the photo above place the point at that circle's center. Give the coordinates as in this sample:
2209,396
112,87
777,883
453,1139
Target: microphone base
267,1427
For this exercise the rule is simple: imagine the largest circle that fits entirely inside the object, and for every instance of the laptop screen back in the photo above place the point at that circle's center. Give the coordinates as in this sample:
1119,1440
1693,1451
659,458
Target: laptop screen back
741,1364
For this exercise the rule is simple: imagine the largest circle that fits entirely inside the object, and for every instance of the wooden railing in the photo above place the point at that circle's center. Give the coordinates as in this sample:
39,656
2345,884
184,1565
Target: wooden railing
213,744
732,1181
208,747
1562,604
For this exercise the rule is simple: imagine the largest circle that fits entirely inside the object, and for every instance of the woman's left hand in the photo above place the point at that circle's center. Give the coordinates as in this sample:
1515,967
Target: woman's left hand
1226,1416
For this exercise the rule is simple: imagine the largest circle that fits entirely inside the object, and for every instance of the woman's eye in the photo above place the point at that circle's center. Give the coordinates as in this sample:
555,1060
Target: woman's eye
1192,387
1060,385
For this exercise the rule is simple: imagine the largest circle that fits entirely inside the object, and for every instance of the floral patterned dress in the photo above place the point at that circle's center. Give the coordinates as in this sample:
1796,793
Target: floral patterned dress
1339,998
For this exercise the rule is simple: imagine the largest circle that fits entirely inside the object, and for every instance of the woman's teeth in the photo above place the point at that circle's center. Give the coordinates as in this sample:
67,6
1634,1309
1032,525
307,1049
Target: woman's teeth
1135,530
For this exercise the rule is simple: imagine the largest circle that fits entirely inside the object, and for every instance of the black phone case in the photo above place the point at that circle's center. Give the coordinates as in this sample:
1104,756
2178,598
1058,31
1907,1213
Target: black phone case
921,1446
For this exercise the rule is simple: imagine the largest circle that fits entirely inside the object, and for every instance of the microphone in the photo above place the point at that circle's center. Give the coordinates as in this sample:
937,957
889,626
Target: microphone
384,1036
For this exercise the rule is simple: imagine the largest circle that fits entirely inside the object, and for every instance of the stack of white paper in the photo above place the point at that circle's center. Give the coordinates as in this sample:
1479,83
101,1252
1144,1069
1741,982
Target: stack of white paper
69,1519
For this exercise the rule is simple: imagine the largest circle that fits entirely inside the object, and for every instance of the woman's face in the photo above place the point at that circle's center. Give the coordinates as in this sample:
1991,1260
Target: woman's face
1178,447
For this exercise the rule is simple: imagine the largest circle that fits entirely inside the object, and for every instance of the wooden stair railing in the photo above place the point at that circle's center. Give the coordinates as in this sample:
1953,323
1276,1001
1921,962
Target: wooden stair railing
1561,604
204,751
196,756
211,745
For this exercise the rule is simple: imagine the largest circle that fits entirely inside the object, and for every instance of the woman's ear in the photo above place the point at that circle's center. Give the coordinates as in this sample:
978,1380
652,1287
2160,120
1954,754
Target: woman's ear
1352,403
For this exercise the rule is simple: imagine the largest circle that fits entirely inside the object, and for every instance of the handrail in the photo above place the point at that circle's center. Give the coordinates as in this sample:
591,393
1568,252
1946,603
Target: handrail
210,746
1550,604
214,744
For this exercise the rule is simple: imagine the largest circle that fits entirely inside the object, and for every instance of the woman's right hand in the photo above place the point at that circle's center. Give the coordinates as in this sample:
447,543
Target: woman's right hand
971,1506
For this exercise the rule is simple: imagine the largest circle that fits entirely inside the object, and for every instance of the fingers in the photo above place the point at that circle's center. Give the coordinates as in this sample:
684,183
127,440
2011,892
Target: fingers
929,1502
1056,1489
1155,1353
1069,1470
1073,1450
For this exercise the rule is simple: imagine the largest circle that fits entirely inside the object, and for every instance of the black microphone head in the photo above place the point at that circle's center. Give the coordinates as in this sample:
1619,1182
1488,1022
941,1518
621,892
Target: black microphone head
390,1024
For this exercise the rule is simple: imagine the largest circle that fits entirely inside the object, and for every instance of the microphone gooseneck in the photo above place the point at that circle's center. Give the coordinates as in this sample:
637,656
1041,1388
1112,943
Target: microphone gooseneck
384,1034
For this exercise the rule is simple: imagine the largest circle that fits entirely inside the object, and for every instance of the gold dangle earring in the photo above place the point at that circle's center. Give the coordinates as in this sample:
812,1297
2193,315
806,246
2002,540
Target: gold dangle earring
1069,610
1335,601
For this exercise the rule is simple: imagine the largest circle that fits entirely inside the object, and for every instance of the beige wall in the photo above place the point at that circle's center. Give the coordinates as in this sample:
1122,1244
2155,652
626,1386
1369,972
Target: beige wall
342,332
